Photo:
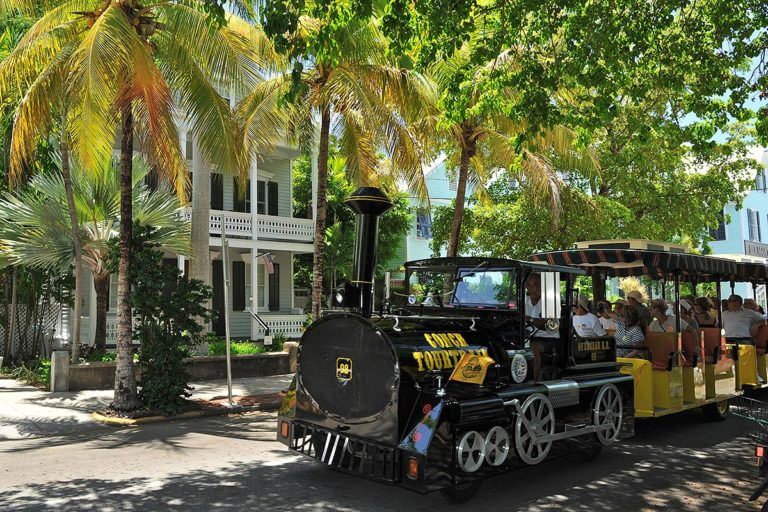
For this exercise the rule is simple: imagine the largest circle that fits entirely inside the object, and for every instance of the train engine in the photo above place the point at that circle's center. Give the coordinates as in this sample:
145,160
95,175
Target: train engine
448,389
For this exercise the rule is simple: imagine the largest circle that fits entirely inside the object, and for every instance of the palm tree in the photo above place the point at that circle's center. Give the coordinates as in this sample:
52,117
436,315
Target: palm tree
481,143
35,224
121,65
363,98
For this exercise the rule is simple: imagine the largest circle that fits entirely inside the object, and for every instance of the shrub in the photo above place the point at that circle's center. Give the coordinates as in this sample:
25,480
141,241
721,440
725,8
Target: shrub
277,343
36,372
169,309
237,348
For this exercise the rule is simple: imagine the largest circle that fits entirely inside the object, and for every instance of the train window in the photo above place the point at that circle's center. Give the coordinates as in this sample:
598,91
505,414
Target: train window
430,287
487,287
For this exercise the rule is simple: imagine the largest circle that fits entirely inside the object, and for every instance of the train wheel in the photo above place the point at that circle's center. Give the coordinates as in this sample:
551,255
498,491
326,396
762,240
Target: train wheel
462,493
608,414
717,411
535,420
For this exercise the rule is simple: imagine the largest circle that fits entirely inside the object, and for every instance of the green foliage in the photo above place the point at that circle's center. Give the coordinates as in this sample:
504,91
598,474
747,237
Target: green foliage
167,306
36,372
393,225
218,346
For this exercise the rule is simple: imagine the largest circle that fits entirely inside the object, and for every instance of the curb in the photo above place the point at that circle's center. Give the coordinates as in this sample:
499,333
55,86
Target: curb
202,413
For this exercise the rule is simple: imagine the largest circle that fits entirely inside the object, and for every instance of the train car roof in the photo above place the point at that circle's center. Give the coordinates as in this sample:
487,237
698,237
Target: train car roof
479,262
656,264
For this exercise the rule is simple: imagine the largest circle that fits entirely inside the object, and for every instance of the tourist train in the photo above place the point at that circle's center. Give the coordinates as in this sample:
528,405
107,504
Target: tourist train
454,380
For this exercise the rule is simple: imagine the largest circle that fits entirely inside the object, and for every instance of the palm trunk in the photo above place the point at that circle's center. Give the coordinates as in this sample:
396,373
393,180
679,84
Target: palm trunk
76,244
125,398
467,152
12,315
101,285
322,185
200,263
7,326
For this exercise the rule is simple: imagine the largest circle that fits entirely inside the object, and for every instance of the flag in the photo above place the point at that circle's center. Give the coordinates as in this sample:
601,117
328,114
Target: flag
266,258
471,369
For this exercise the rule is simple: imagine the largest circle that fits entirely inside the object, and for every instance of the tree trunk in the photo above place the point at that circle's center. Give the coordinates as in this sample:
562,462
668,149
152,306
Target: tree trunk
322,185
7,326
125,398
101,285
12,315
467,152
200,263
76,244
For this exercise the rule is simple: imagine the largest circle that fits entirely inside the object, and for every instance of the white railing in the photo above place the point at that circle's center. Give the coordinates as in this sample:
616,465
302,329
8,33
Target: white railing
291,326
270,227
286,228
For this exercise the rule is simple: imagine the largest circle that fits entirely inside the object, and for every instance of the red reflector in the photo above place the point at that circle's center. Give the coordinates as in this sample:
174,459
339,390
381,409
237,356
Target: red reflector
413,468
284,428
759,451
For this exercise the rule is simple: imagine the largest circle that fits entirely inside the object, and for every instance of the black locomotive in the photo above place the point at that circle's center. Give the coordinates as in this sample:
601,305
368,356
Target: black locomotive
450,388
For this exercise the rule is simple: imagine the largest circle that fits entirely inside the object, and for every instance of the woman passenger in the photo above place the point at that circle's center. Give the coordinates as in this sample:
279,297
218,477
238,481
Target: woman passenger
629,333
703,313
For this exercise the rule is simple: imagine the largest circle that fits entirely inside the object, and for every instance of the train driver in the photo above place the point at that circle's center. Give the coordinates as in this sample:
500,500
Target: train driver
739,322
542,340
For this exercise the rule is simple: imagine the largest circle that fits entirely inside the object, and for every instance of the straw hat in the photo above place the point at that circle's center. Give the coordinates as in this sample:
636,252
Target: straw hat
635,294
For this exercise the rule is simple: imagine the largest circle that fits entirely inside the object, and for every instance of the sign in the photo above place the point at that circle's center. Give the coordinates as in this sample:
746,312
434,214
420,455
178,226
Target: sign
755,249
343,369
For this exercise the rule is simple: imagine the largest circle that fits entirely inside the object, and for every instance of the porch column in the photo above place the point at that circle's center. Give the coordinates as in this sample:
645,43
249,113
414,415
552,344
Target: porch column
254,199
180,263
254,290
293,295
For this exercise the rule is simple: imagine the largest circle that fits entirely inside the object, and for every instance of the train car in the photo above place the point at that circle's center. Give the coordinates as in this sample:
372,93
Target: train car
677,371
450,388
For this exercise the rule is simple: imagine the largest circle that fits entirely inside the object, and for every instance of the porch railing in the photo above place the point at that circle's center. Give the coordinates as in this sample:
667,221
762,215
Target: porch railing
270,227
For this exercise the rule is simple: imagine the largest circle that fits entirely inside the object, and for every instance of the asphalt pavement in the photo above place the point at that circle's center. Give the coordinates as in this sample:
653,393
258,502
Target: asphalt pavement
681,462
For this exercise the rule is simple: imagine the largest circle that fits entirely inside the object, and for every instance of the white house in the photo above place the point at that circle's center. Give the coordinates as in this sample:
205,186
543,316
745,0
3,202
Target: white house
745,236
258,222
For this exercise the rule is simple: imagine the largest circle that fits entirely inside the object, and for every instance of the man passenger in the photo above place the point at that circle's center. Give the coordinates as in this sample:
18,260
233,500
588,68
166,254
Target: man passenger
662,322
739,322
542,340
586,324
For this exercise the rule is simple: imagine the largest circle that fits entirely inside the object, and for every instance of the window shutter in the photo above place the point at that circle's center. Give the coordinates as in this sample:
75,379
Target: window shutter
272,198
218,297
217,192
274,289
238,198
238,286
261,198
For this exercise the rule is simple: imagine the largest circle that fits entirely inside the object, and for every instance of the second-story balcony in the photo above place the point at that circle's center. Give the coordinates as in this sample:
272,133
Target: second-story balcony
269,227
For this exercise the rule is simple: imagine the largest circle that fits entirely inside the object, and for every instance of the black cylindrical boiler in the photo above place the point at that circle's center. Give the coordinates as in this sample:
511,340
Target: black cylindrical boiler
368,203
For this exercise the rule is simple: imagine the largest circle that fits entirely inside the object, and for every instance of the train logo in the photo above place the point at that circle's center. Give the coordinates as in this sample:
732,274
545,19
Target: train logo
343,369
471,370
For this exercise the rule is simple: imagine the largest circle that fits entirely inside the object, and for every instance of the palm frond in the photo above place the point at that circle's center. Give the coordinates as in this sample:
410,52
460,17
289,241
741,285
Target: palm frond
263,115
99,65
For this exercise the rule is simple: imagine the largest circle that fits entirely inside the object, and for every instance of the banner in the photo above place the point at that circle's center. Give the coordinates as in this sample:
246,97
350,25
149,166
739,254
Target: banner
266,259
471,369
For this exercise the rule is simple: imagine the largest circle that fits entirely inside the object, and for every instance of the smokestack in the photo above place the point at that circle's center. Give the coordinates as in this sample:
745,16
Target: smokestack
368,203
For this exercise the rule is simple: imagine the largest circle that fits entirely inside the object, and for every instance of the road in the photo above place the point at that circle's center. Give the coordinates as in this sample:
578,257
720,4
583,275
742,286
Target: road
232,463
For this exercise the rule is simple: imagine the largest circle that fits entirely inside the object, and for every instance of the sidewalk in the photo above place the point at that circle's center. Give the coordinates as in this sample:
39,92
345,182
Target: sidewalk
26,412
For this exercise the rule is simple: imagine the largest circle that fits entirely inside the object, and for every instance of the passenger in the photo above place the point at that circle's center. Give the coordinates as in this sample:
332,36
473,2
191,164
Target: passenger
686,314
629,333
619,306
664,322
542,339
635,300
603,313
586,324
703,313
753,305
739,322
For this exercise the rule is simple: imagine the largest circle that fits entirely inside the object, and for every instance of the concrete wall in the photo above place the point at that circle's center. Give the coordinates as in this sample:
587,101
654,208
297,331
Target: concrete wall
102,375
